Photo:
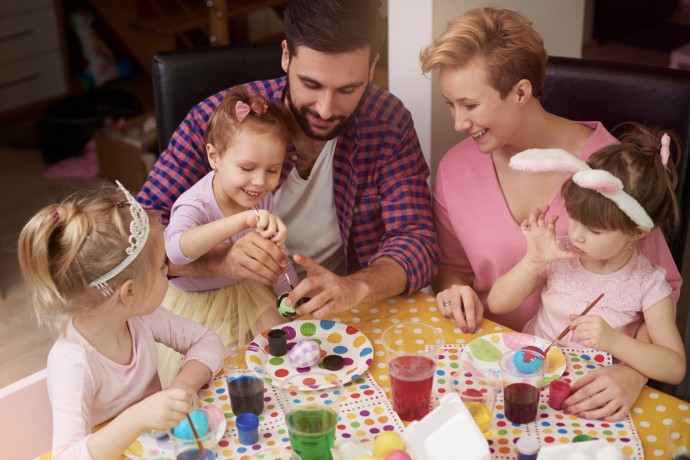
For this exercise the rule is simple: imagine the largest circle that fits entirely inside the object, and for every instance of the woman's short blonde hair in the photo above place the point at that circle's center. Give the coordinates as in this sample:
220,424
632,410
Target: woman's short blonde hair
506,41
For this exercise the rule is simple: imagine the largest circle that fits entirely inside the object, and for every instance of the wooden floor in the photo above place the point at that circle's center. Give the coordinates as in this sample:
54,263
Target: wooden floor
23,347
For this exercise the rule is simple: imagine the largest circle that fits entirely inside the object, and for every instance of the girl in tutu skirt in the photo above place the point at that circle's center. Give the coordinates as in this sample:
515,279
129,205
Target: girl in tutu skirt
246,141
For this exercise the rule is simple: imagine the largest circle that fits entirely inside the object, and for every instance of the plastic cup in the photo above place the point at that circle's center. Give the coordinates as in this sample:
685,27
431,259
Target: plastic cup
311,414
559,390
411,352
245,381
186,447
679,439
478,396
520,389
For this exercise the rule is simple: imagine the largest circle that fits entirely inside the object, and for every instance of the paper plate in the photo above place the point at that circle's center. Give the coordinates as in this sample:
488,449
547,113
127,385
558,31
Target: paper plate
149,447
483,353
333,338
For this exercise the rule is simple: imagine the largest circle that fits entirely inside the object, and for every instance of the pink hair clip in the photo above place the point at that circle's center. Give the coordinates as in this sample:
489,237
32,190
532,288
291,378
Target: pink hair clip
58,219
665,151
242,109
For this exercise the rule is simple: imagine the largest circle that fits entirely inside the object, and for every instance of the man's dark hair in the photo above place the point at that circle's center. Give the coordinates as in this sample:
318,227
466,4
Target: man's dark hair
334,26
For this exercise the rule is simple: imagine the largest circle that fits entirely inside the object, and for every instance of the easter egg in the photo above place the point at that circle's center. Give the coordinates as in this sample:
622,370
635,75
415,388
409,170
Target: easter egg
610,452
398,455
387,442
527,364
184,431
366,457
305,353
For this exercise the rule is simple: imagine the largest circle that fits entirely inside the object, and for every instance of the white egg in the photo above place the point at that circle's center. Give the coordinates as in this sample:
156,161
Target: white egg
579,456
610,452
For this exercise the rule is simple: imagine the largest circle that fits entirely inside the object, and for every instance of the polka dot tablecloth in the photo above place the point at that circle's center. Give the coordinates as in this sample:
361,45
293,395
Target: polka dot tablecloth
365,413
651,415
369,410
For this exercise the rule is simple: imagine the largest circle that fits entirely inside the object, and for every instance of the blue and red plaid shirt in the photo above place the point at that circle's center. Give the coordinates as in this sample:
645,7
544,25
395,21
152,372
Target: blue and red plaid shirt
380,189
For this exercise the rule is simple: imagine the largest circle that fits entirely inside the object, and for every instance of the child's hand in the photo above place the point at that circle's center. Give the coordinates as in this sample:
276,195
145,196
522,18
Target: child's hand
593,332
269,226
540,234
165,409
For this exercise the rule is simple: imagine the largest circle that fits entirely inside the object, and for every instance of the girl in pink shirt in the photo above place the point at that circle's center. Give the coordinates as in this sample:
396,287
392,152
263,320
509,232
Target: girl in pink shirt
614,200
96,270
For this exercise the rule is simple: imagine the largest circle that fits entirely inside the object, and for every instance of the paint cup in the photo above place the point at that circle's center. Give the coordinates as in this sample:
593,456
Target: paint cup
411,352
520,390
245,381
311,413
559,390
247,425
478,396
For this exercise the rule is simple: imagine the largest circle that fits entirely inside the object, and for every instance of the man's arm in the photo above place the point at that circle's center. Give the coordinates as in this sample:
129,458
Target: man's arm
251,257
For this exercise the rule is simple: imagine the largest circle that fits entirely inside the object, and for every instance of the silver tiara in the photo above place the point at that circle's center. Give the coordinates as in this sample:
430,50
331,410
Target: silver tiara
138,234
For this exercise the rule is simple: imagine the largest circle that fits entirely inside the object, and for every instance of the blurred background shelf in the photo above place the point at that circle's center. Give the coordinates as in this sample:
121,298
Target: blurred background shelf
144,27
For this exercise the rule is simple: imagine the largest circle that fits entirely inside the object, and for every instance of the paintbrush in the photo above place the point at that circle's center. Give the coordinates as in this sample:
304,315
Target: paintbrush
196,438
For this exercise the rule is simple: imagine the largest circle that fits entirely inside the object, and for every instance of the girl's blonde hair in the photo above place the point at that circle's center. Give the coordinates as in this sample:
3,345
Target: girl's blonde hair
510,47
66,245
636,161
223,123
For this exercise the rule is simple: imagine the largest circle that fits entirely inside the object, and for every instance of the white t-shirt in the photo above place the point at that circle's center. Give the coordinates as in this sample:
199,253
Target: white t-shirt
306,206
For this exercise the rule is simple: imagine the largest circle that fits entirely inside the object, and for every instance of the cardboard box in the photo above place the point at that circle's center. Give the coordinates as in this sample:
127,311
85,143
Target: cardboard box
123,150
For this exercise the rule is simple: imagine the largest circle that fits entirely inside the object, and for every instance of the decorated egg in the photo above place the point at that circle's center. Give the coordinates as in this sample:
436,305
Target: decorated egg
398,455
305,353
184,431
387,442
527,363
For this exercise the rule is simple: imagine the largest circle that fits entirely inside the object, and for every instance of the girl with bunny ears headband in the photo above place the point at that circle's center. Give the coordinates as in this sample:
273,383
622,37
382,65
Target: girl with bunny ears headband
614,199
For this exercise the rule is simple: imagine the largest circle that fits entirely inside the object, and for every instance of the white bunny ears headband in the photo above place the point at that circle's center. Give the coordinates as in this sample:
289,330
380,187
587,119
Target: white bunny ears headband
603,182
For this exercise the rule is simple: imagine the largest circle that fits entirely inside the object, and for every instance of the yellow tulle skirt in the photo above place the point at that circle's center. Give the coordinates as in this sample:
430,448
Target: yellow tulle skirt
237,313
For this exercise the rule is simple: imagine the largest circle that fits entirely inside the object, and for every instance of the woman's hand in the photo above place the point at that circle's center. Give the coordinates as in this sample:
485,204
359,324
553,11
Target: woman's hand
606,393
462,304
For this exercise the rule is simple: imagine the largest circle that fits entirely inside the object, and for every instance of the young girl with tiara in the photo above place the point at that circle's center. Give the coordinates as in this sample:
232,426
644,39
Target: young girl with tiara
246,141
613,200
96,270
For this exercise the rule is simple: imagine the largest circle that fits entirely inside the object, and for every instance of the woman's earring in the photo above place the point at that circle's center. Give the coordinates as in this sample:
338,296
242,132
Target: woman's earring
629,245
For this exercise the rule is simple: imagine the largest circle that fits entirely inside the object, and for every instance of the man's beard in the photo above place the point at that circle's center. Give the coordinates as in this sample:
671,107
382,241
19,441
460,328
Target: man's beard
303,122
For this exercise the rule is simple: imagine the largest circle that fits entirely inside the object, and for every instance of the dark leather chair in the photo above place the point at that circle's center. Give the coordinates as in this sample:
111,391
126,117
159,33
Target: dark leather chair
615,93
182,79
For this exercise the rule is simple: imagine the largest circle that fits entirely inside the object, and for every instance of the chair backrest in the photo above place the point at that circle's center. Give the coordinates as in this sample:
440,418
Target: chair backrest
26,419
182,79
615,93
